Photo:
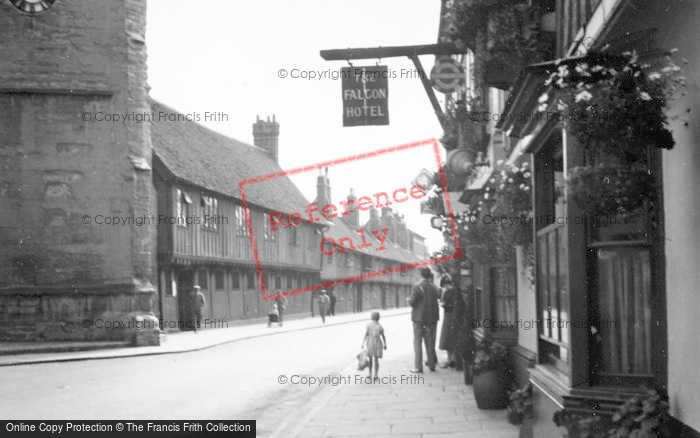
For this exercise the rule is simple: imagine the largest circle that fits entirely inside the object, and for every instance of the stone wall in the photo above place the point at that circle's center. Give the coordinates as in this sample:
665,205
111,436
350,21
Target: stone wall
64,169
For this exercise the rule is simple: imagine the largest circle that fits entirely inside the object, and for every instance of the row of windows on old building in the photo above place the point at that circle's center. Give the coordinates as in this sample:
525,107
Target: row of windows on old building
209,207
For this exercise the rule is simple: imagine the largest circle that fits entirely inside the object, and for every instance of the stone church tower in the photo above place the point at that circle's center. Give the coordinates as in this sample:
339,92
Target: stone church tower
66,170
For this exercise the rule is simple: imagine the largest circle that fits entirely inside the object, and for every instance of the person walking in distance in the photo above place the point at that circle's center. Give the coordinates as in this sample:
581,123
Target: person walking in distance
333,299
425,314
375,343
281,302
323,303
198,302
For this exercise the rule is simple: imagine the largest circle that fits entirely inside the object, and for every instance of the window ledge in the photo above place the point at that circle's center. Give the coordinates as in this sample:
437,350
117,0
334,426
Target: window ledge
603,400
551,382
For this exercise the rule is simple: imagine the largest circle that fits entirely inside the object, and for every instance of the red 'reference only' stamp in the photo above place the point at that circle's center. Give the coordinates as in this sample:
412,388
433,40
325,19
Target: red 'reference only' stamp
364,238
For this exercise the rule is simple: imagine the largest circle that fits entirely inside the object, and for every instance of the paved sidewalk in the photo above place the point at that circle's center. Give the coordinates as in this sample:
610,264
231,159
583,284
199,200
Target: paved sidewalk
432,404
25,353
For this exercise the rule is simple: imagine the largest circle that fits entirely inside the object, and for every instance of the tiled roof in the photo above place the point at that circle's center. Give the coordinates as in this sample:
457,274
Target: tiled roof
393,252
215,162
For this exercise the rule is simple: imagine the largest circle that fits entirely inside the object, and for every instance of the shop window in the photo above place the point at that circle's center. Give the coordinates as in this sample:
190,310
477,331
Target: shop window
552,256
622,310
504,298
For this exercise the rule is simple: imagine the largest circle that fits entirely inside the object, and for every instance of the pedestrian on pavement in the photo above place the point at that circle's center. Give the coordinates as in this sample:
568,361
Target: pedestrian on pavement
198,302
333,301
425,315
323,303
273,316
448,334
281,303
374,343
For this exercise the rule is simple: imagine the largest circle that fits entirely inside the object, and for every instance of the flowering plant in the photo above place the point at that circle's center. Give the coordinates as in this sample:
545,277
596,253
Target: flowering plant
613,108
641,415
502,34
520,403
460,124
507,23
511,189
497,219
489,356
616,111
611,189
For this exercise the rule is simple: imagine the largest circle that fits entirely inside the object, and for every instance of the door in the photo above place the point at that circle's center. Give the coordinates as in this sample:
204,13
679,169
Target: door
184,292
358,299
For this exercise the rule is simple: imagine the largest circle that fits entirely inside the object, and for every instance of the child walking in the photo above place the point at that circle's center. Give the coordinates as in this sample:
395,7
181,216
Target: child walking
375,343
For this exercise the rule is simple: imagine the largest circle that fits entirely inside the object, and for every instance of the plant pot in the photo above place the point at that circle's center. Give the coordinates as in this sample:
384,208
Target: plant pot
514,417
490,388
468,375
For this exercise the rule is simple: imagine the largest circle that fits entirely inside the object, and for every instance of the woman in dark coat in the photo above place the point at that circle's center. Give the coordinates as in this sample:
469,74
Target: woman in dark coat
448,334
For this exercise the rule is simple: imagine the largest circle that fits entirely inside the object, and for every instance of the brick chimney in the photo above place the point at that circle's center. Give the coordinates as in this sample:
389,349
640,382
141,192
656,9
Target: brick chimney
266,135
374,223
389,221
323,188
352,219
401,232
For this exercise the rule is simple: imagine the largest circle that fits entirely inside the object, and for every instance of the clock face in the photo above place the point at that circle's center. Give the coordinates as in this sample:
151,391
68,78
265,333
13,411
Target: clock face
32,6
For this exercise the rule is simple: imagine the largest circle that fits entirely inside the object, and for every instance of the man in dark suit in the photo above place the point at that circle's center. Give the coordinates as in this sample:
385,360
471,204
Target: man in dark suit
425,315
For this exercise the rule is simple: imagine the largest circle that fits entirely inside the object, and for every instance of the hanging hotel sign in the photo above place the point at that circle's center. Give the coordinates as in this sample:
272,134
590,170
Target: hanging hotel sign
424,180
365,95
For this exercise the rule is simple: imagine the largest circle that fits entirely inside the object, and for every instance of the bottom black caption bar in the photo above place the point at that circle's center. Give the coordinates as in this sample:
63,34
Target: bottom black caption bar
177,428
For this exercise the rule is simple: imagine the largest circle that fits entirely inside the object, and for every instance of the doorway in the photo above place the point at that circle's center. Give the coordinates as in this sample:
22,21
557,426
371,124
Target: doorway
184,287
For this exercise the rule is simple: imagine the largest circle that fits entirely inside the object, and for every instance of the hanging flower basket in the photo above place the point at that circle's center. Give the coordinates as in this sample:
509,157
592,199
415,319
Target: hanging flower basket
611,189
612,107
617,113
466,128
504,35
511,190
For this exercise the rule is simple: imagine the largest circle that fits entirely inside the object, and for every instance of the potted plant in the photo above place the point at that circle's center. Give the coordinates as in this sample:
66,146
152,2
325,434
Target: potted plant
642,416
582,425
520,404
491,379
